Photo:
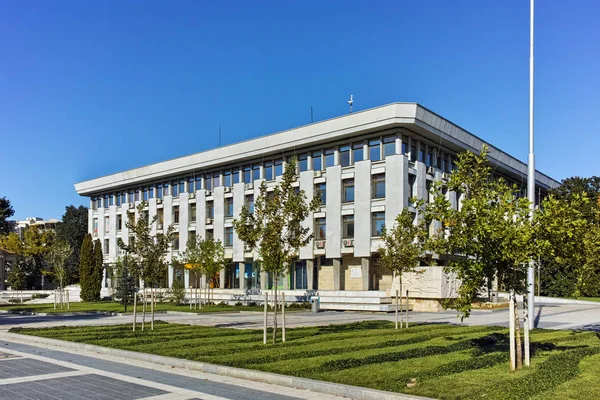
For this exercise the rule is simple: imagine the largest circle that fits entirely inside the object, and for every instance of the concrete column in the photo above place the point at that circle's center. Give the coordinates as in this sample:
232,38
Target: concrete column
306,184
337,266
170,276
222,279
362,209
286,279
364,269
242,267
263,280
104,280
239,199
309,274
333,212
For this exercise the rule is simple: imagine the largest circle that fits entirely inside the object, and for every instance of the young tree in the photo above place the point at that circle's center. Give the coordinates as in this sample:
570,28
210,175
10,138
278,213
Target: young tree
213,260
192,259
73,229
488,235
403,246
97,272
275,228
148,251
57,259
6,211
86,267
125,285
16,277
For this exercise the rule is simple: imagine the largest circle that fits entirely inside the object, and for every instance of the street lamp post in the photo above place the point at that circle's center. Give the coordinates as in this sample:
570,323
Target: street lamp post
531,173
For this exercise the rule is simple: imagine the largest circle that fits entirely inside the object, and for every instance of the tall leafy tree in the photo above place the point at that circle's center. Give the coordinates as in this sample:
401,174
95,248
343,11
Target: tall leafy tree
97,271
86,267
203,257
6,211
489,235
148,250
57,259
72,229
403,245
275,228
32,250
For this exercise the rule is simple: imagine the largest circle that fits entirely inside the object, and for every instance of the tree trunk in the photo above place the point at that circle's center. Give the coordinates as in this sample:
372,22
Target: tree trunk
283,317
152,308
518,336
275,317
144,308
511,329
134,309
526,331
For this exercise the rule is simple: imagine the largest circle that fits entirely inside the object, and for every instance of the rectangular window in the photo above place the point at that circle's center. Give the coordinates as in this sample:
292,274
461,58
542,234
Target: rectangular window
181,186
95,225
151,192
175,214
348,226
166,189
344,156
329,158
118,198
198,183
106,246
377,223
303,162
317,161
443,165
175,243
193,212
278,168
131,196
389,146
321,191
236,176
428,159
377,186
191,185
119,222
111,199
159,191
145,193
357,152
375,150
228,236
320,231
348,190
269,171
216,180
160,217
255,172
208,182
411,185
210,234
175,189
227,179
130,219
413,153
229,207
106,224
210,209
421,155
250,203
438,162
404,148
247,174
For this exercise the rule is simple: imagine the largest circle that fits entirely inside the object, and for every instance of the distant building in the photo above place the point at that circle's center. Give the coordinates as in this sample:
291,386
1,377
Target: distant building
42,225
6,260
366,166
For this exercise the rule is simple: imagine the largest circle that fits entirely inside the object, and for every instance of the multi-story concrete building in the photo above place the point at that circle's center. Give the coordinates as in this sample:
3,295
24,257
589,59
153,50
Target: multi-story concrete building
366,166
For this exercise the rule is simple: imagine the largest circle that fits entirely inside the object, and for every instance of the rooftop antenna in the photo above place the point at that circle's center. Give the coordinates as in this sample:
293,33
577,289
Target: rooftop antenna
311,115
219,135
350,103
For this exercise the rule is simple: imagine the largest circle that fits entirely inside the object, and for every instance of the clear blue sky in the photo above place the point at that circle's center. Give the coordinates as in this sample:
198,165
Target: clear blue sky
92,88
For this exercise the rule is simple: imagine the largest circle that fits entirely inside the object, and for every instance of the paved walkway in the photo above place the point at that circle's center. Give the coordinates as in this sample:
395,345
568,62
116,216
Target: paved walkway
551,316
36,373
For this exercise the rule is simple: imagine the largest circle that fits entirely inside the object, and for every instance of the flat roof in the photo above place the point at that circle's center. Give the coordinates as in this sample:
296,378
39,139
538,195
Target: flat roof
412,116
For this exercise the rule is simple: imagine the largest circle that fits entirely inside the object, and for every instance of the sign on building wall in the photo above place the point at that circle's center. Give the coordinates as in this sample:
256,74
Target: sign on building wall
355,272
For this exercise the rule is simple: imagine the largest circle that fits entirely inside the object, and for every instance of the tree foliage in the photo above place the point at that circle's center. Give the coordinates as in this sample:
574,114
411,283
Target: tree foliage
97,272
125,285
31,250
57,258
16,278
275,227
72,229
6,211
86,268
488,235
403,244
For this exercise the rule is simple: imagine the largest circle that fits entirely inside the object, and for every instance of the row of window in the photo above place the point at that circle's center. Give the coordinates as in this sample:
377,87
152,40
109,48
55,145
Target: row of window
375,149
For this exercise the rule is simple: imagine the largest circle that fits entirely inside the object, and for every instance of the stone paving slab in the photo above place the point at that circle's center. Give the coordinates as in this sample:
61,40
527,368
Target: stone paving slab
21,367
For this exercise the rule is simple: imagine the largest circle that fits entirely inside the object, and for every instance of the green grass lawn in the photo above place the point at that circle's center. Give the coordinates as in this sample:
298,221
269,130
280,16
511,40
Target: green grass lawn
111,306
446,361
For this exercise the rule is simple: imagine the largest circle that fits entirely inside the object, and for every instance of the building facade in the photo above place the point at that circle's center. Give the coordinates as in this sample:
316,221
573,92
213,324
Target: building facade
365,166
